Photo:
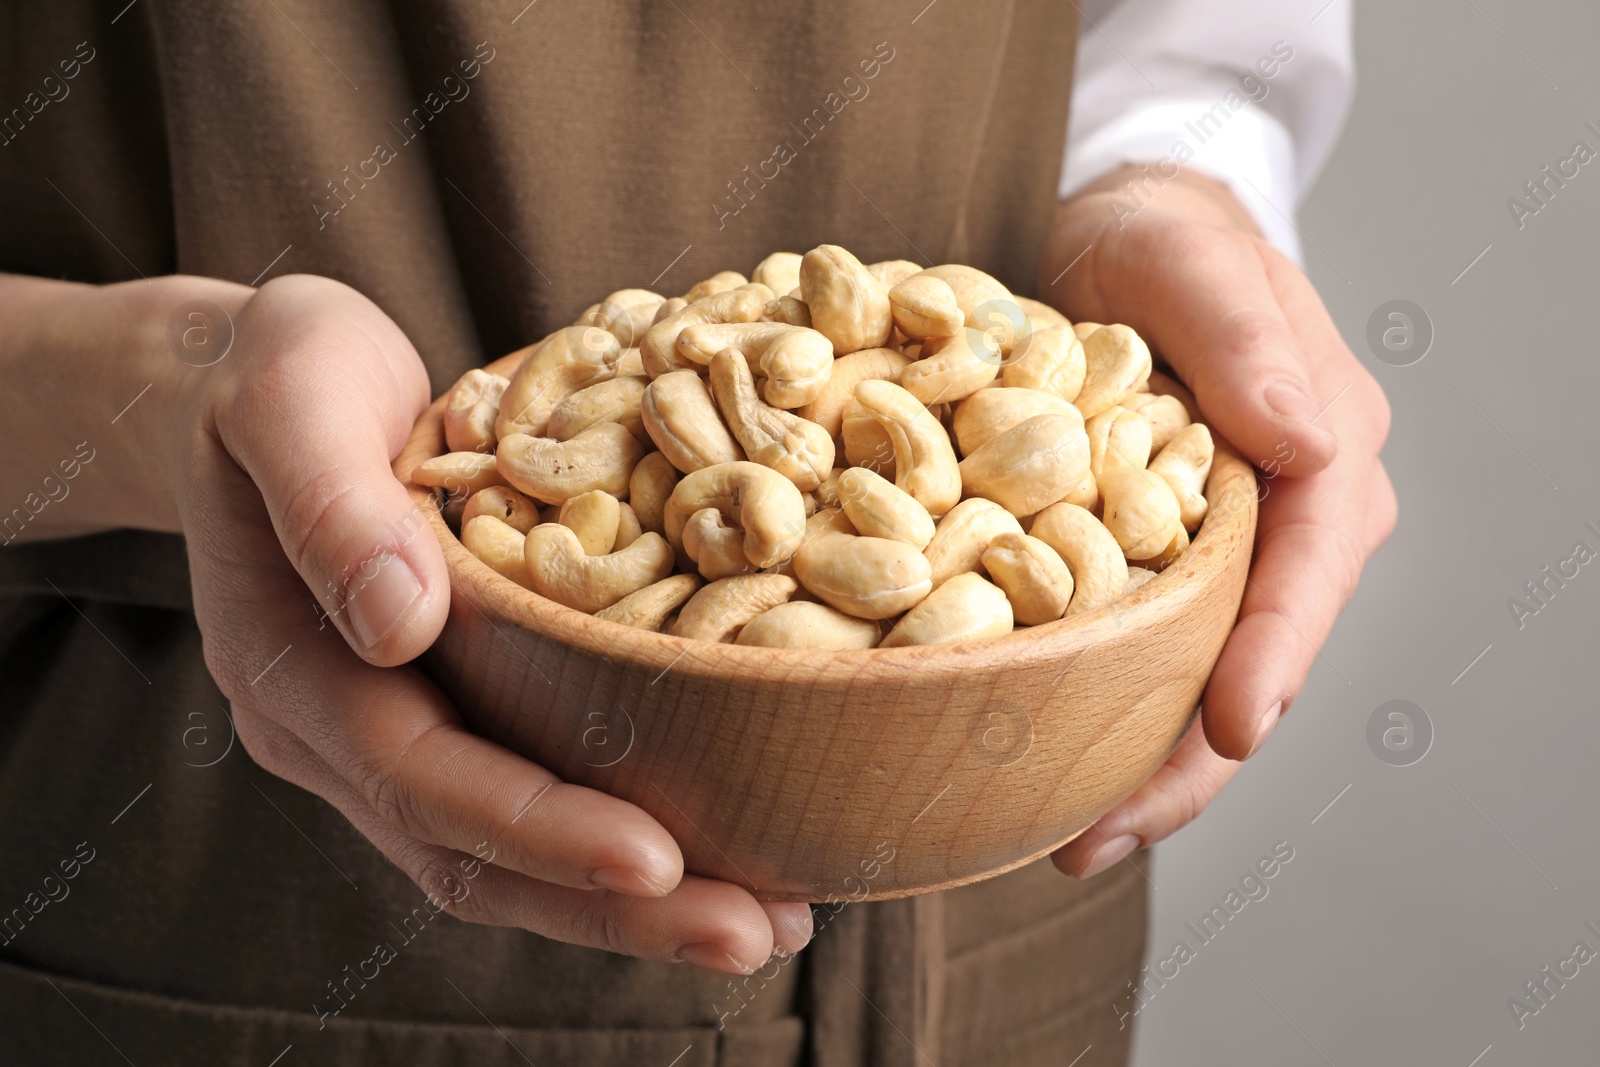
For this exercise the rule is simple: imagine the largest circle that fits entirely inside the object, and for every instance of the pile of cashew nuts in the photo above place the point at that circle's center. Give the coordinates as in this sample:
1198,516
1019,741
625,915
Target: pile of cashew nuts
826,455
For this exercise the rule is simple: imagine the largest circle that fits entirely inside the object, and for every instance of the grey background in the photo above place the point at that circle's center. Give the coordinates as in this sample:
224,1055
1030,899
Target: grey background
1427,895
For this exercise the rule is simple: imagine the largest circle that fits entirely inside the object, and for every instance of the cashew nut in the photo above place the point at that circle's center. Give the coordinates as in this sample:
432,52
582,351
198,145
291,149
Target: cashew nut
594,516
1030,466
1082,330
1116,363
617,400
627,313
715,548
848,305
988,413
1086,494
1040,315
681,419
630,364
828,520
1185,463
950,369
649,607
1137,576
1118,437
790,310
973,291
1035,578
562,571
1049,360
799,450
669,307
924,462
1141,511
504,503
720,282
497,544
1099,570
658,350
470,413
1167,556
827,493
601,457
962,535
891,272
966,608
826,409
868,577
762,502
721,609
1166,415
649,486
795,361
628,528
925,306
866,443
807,624
568,360
779,272
459,474
878,508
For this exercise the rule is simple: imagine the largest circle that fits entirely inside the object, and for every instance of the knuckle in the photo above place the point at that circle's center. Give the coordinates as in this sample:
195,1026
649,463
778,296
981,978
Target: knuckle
316,507
597,925
439,878
1254,332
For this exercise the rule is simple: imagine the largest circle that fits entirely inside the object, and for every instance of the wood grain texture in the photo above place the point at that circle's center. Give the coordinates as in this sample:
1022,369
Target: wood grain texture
795,773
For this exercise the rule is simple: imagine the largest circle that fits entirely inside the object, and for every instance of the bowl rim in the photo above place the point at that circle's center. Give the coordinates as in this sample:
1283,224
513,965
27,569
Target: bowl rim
1220,537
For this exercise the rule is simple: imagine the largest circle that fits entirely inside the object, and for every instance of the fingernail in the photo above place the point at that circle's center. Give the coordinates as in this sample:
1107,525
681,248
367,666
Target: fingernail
379,595
1290,401
712,957
1264,727
626,880
1113,851
795,927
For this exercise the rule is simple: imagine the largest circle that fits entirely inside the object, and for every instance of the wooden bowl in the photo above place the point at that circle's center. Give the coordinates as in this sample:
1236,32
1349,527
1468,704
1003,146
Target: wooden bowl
848,775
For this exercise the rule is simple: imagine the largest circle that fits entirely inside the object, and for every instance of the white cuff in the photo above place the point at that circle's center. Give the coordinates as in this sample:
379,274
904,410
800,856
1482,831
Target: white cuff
1248,150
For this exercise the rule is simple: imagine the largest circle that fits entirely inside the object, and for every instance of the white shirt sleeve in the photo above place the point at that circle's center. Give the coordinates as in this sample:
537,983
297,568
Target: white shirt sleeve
1249,92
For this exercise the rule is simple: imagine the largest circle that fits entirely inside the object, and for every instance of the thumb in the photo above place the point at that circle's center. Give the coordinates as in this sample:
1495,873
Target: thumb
1203,299
1250,378
314,416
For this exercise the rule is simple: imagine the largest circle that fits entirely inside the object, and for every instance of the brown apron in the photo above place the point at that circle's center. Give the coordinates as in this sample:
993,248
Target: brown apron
482,170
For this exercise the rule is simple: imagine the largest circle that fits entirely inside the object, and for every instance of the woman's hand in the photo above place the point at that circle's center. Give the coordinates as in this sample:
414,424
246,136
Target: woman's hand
275,464
1245,330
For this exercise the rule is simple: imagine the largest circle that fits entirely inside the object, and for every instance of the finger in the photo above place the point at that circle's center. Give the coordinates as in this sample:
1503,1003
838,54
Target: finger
1311,545
322,399
1313,538
709,923
1202,299
387,732
791,926
1170,800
